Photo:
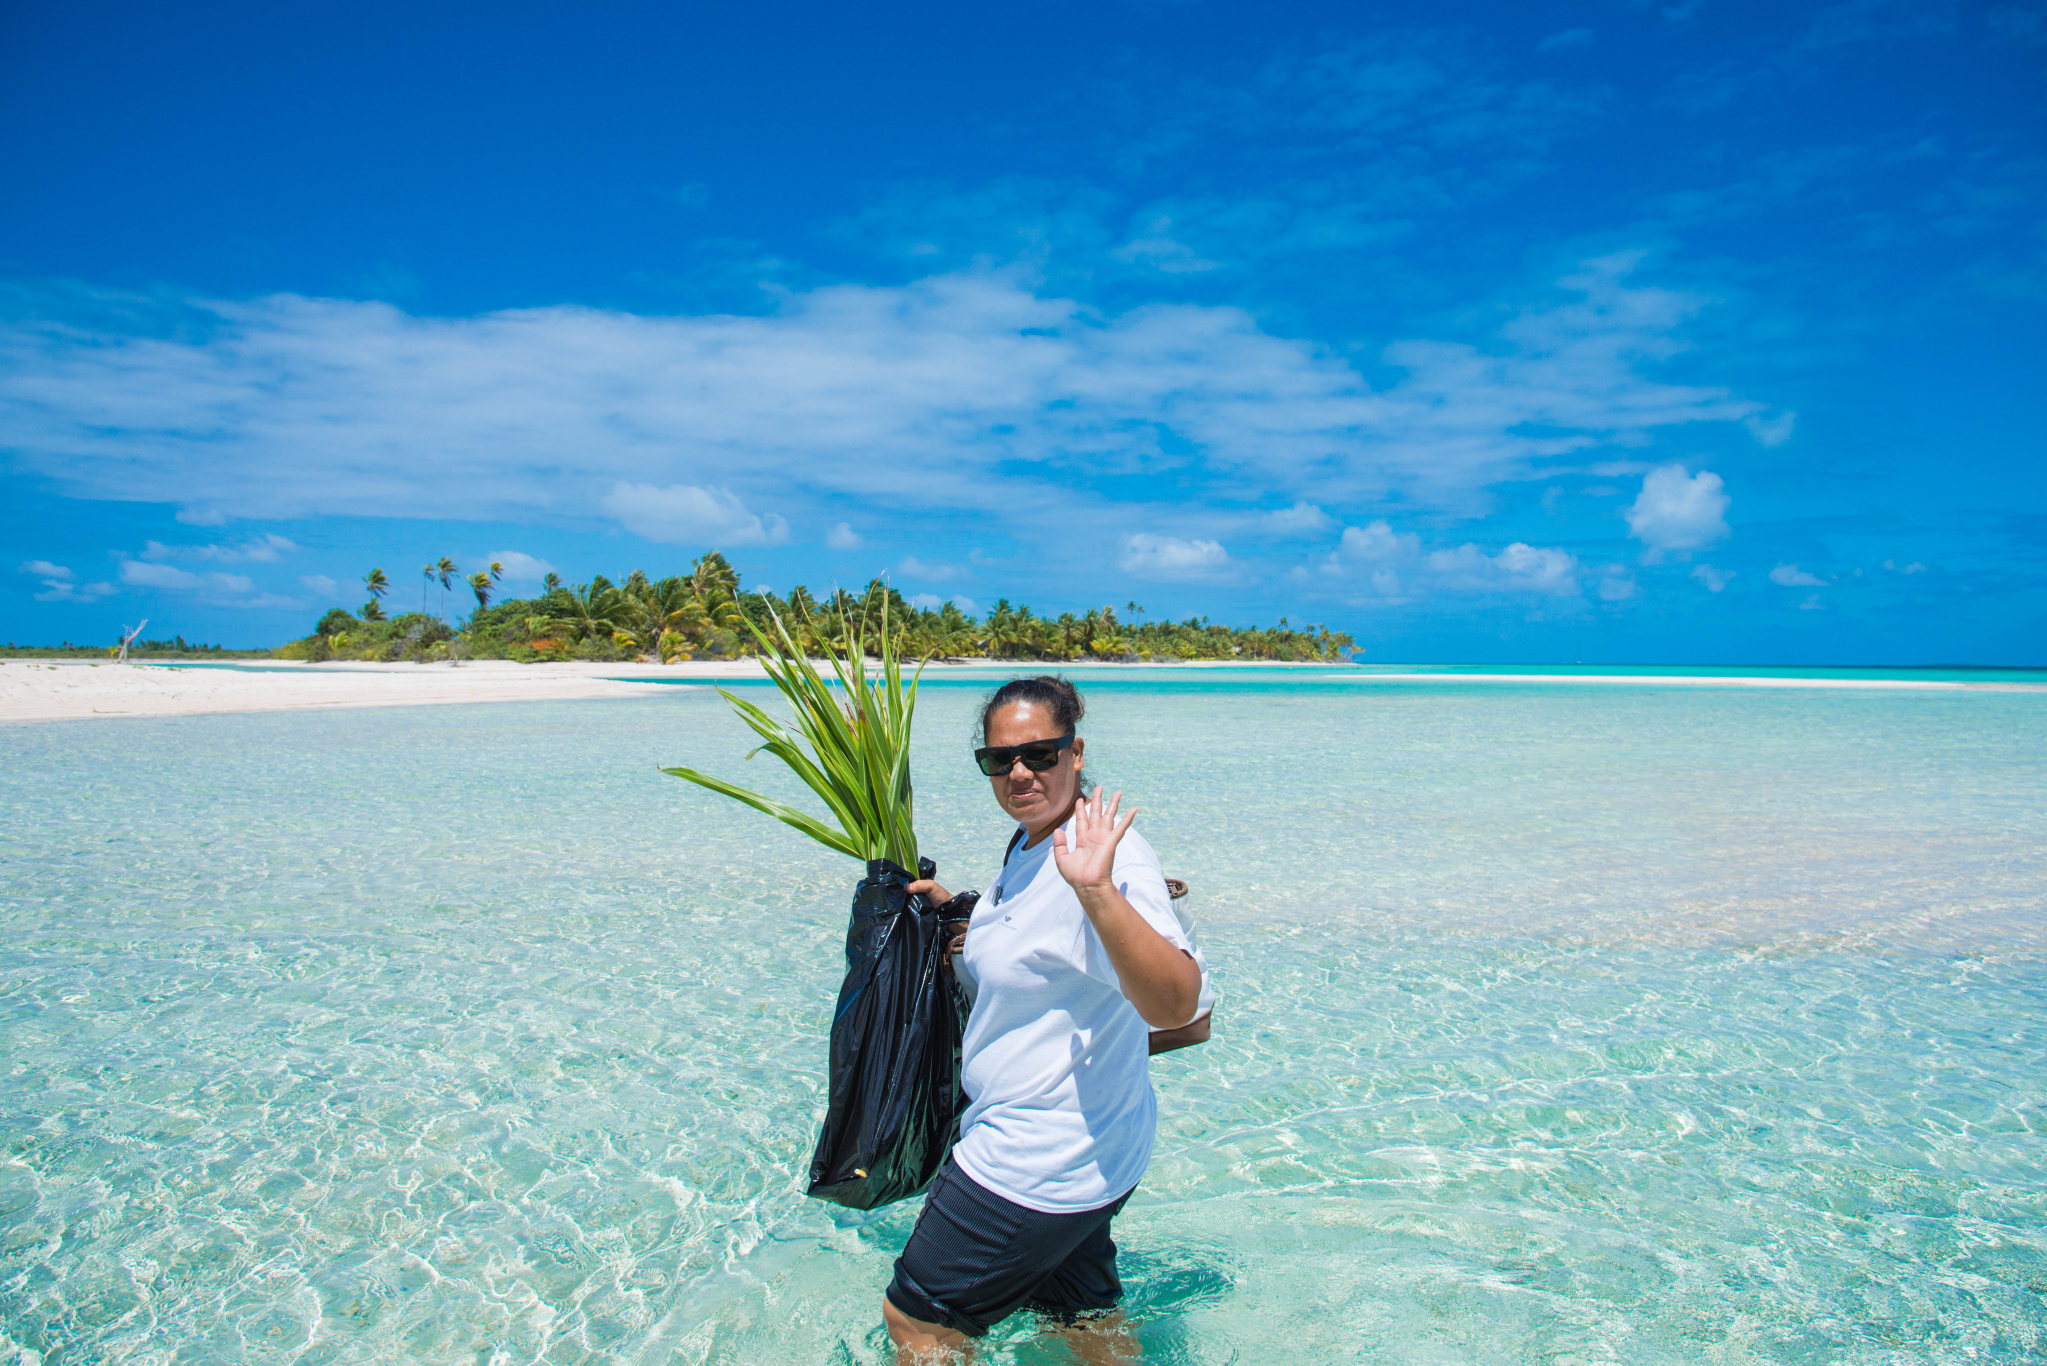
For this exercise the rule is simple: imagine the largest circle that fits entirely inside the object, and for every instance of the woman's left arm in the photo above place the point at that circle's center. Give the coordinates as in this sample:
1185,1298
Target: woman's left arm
1159,977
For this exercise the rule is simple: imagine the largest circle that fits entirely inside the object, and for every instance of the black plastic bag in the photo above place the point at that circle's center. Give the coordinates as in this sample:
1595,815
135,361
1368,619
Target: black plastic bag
895,1065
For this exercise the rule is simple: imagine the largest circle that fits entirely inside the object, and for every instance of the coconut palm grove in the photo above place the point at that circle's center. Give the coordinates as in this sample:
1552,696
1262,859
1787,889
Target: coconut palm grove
705,614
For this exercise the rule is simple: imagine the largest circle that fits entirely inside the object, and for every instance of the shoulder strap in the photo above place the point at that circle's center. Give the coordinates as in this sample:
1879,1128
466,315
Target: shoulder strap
1014,840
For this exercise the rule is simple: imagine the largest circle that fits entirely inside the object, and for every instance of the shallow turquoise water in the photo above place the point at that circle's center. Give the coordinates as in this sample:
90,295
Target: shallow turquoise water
1559,1024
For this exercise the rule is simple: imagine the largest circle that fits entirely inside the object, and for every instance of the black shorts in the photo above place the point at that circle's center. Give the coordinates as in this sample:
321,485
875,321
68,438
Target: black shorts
975,1258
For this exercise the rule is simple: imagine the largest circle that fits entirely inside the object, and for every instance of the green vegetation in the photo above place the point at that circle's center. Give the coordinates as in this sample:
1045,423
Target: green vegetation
705,614
176,648
859,760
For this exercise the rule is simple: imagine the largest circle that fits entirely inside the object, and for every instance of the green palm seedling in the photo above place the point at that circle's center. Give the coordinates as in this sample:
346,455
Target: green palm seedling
857,736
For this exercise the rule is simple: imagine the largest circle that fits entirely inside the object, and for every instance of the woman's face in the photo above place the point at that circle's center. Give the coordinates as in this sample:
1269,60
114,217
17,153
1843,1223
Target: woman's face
1033,799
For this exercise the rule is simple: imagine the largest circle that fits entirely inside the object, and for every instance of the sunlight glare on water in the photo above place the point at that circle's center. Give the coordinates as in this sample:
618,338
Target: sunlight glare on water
1559,1024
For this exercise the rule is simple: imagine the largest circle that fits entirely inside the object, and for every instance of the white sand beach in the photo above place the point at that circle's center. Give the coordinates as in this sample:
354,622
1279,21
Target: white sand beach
41,690
60,690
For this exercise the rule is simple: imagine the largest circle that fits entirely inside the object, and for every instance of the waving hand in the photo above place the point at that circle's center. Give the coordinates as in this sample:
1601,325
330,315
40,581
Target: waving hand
1089,859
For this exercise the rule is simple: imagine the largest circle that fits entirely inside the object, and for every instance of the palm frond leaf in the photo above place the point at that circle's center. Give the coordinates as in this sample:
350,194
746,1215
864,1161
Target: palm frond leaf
850,738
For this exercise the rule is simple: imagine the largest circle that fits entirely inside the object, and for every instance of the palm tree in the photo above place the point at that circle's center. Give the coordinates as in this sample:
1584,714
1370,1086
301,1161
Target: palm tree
480,584
447,571
428,571
550,585
649,611
713,587
802,622
373,610
377,583
589,609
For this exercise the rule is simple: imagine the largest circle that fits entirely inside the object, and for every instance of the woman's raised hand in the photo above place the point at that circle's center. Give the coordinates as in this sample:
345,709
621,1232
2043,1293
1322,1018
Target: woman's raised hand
1090,858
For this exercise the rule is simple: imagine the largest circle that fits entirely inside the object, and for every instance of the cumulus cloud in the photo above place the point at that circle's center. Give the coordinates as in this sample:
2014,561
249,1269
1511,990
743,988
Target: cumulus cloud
915,568
686,514
1520,568
964,391
321,585
1714,579
1791,576
1170,557
520,567
1302,519
931,602
843,537
1373,543
60,584
1396,566
1677,512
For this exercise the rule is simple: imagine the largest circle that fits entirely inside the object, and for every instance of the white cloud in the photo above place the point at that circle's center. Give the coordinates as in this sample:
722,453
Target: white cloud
266,549
1373,543
1616,584
1170,557
1157,248
964,391
688,514
1714,579
144,574
843,537
1770,431
1520,568
1677,512
520,567
321,585
931,602
1569,40
60,583
1398,569
1302,519
1913,568
1812,604
201,517
1791,576
928,569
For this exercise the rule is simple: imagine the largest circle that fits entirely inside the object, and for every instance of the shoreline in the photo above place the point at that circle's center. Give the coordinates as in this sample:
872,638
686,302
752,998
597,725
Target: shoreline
65,690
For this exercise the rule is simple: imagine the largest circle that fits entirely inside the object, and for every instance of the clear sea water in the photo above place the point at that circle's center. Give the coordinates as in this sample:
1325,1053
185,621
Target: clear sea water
1560,1024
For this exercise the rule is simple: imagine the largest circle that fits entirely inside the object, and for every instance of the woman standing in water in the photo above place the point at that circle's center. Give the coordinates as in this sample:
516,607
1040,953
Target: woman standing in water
1072,961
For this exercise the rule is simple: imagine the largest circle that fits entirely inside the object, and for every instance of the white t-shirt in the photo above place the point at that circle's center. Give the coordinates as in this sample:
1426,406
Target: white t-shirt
1055,1057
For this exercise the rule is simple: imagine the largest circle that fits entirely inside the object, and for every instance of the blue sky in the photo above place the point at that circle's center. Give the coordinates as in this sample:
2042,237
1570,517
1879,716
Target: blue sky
1680,332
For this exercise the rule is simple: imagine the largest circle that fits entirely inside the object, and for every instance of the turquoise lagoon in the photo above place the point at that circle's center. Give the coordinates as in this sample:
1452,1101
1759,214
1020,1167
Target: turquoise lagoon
1560,1023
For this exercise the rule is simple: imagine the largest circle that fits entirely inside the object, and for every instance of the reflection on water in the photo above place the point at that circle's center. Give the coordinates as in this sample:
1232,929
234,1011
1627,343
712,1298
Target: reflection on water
1558,1025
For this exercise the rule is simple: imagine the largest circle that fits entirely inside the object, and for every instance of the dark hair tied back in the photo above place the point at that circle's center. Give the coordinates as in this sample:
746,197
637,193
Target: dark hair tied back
1049,691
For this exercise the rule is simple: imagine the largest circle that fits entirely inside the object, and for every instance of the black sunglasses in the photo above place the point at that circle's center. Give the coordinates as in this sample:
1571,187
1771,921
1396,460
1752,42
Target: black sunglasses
1037,756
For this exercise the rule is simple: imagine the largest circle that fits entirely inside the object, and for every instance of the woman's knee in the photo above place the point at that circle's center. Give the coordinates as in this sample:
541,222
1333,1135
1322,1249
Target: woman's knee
918,1335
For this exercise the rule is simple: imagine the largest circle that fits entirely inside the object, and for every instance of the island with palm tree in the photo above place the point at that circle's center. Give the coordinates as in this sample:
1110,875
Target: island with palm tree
703,615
